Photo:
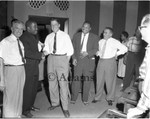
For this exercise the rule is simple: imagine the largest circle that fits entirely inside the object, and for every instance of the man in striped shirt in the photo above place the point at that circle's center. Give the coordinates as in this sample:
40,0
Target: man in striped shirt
144,102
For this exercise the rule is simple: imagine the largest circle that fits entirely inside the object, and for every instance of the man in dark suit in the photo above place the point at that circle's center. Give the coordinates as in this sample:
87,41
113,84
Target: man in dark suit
85,47
33,56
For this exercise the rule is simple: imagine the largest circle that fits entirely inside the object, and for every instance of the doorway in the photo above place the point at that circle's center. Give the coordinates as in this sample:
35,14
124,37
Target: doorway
44,25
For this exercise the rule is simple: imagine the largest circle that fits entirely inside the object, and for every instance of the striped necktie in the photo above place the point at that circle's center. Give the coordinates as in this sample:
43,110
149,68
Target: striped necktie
20,51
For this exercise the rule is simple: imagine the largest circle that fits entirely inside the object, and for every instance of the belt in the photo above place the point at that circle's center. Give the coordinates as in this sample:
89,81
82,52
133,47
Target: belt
59,54
13,65
134,52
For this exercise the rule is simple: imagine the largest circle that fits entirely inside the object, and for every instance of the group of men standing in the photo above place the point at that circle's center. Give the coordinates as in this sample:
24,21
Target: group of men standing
59,48
20,56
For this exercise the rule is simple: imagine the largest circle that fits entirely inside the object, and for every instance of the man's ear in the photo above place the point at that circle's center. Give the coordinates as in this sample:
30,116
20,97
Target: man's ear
28,28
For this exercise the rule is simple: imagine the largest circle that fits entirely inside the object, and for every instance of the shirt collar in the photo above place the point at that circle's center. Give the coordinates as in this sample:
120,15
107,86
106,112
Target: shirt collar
13,37
57,31
85,34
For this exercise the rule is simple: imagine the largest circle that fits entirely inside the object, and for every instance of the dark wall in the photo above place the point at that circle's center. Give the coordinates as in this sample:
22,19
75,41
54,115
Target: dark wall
119,17
3,14
144,8
92,14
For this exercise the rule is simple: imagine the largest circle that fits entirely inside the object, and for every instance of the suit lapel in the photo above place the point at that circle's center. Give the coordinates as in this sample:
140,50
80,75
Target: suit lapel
80,41
88,42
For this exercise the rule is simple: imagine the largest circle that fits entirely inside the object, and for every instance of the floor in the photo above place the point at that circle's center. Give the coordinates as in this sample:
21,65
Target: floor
78,110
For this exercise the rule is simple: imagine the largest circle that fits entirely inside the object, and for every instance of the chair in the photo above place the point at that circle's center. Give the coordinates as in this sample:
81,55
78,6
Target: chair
129,99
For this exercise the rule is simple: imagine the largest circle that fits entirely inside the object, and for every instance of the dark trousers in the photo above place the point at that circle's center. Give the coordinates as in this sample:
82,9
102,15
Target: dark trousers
133,63
82,69
31,84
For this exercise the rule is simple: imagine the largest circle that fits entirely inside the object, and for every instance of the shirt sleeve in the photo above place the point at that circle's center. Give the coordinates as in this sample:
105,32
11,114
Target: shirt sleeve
1,66
69,46
122,49
144,101
46,46
1,51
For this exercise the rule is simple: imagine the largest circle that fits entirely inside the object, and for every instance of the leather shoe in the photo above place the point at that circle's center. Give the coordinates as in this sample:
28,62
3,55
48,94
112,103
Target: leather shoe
66,113
110,102
27,114
95,101
35,108
85,103
53,107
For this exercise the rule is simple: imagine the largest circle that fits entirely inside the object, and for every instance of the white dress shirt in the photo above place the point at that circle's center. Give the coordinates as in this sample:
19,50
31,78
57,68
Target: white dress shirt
9,51
113,48
63,44
84,48
144,71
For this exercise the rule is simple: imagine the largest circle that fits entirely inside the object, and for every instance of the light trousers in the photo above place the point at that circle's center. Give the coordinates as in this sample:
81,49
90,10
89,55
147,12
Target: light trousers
13,94
58,80
106,73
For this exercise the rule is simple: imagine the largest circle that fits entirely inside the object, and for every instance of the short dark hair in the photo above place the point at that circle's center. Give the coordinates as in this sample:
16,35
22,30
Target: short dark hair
16,21
109,28
125,34
13,20
55,19
29,22
87,22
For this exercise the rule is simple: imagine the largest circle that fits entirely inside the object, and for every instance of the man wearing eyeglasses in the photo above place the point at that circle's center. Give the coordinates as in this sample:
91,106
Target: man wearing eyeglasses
144,102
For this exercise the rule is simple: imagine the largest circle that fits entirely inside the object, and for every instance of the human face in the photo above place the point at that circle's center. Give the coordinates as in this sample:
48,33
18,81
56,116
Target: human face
17,29
86,28
55,26
107,34
145,32
33,28
123,38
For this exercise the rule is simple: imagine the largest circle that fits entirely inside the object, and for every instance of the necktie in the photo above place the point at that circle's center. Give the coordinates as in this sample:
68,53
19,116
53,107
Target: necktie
103,49
54,45
82,42
20,51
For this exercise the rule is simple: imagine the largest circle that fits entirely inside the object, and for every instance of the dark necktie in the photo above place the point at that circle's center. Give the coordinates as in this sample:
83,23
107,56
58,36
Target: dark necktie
20,51
54,45
82,42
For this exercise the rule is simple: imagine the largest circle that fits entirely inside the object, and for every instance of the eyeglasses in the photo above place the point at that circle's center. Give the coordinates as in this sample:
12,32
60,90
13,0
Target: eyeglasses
141,27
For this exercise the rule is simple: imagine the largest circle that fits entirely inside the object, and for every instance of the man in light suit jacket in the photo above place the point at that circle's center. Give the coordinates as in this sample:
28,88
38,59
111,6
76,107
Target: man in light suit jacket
85,47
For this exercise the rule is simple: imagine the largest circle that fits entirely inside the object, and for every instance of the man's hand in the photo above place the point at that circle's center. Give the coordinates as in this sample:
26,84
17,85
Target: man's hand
83,54
97,53
75,62
134,112
43,56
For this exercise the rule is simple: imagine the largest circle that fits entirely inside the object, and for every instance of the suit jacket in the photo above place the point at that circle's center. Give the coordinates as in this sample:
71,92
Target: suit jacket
31,46
92,47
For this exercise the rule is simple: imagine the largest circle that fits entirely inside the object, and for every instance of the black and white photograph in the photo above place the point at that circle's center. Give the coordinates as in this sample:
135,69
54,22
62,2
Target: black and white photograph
74,59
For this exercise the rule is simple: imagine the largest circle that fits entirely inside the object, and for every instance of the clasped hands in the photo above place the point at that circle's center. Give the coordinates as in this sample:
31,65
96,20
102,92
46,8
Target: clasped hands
83,54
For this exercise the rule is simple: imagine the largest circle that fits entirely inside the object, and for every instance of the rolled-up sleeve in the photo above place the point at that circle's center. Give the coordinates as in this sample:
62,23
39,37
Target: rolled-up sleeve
69,46
46,48
122,49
